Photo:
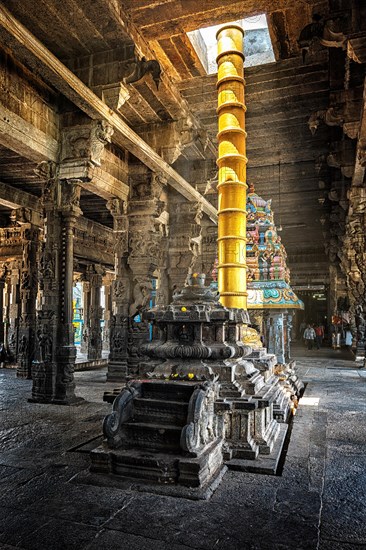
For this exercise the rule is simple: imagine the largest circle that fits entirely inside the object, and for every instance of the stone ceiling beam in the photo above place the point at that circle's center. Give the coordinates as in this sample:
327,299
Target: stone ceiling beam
28,141
25,139
13,198
158,21
35,55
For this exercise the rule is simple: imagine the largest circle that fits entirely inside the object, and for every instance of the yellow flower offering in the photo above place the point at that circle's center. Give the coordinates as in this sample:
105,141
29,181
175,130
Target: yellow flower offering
190,375
183,308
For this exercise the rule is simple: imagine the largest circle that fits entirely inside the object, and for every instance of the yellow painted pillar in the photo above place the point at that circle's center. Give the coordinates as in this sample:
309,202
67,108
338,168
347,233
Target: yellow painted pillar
232,161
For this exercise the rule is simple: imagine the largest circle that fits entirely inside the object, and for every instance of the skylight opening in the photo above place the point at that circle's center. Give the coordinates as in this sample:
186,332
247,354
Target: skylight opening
257,43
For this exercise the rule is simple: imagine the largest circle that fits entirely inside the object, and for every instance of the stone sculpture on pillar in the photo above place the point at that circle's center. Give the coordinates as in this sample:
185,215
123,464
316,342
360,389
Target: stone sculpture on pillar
95,276
117,362
55,354
28,296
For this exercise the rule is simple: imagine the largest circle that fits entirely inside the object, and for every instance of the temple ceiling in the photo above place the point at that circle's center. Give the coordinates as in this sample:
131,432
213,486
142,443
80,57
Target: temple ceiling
280,96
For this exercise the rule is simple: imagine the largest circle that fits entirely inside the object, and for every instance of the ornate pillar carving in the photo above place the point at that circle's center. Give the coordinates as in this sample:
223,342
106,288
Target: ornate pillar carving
185,240
275,335
117,363
13,308
55,354
148,219
2,288
107,314
81,151
28,297
95,275
86,309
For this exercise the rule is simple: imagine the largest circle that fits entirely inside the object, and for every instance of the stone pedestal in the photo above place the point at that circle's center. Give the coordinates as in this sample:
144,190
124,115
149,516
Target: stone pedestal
195,341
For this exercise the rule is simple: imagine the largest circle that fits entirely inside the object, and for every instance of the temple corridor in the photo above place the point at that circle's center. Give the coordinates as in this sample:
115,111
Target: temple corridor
316,503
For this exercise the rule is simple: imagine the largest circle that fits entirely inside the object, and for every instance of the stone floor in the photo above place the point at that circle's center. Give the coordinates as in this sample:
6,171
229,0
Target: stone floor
317,503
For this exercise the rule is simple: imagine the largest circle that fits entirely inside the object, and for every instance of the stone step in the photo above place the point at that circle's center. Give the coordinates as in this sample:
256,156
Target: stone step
157,411
179,391
153,437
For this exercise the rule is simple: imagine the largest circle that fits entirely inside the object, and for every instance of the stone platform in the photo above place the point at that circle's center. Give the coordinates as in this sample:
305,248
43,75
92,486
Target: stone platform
316,503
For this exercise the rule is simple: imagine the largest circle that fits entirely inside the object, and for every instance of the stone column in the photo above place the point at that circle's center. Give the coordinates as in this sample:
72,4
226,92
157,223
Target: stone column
185,240
148,218
6,311
95,275
287,327
107,314
53,367
14,309
28,296
86,309
275,339
2,287
117,362
81,150
66,350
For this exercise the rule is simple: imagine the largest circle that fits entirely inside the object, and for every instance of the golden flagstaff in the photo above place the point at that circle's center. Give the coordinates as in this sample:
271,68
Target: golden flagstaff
231,163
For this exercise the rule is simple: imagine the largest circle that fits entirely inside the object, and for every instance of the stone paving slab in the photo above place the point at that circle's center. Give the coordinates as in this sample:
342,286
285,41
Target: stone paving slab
317,503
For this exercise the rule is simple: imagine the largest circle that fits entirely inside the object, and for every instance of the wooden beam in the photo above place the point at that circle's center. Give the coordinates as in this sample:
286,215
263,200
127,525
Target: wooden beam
13,198
25,139
106,186
33,53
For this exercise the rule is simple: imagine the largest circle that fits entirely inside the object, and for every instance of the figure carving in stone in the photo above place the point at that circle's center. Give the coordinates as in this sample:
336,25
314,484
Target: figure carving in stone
143,67
138,243
117,207
48,271
46,170
70,195
23,346
199,213
44,344
119,289
100,135
141,294
25,280
117,341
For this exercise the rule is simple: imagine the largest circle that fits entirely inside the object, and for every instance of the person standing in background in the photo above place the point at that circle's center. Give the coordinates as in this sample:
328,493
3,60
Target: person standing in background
319,335
309,336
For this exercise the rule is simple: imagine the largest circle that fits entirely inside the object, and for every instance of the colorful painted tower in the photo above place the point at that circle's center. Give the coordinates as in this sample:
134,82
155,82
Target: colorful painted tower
271,299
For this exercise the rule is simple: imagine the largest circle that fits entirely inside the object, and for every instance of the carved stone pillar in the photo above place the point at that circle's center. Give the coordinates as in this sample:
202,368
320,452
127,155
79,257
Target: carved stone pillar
275,337
2,287
117,362
6,310
107,314
95,275
28,296
14,309
52,369
86,309
81,151
148,219
287,328
185,240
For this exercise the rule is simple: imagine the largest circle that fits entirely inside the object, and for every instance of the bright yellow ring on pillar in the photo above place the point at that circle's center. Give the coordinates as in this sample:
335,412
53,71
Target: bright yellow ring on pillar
183,308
